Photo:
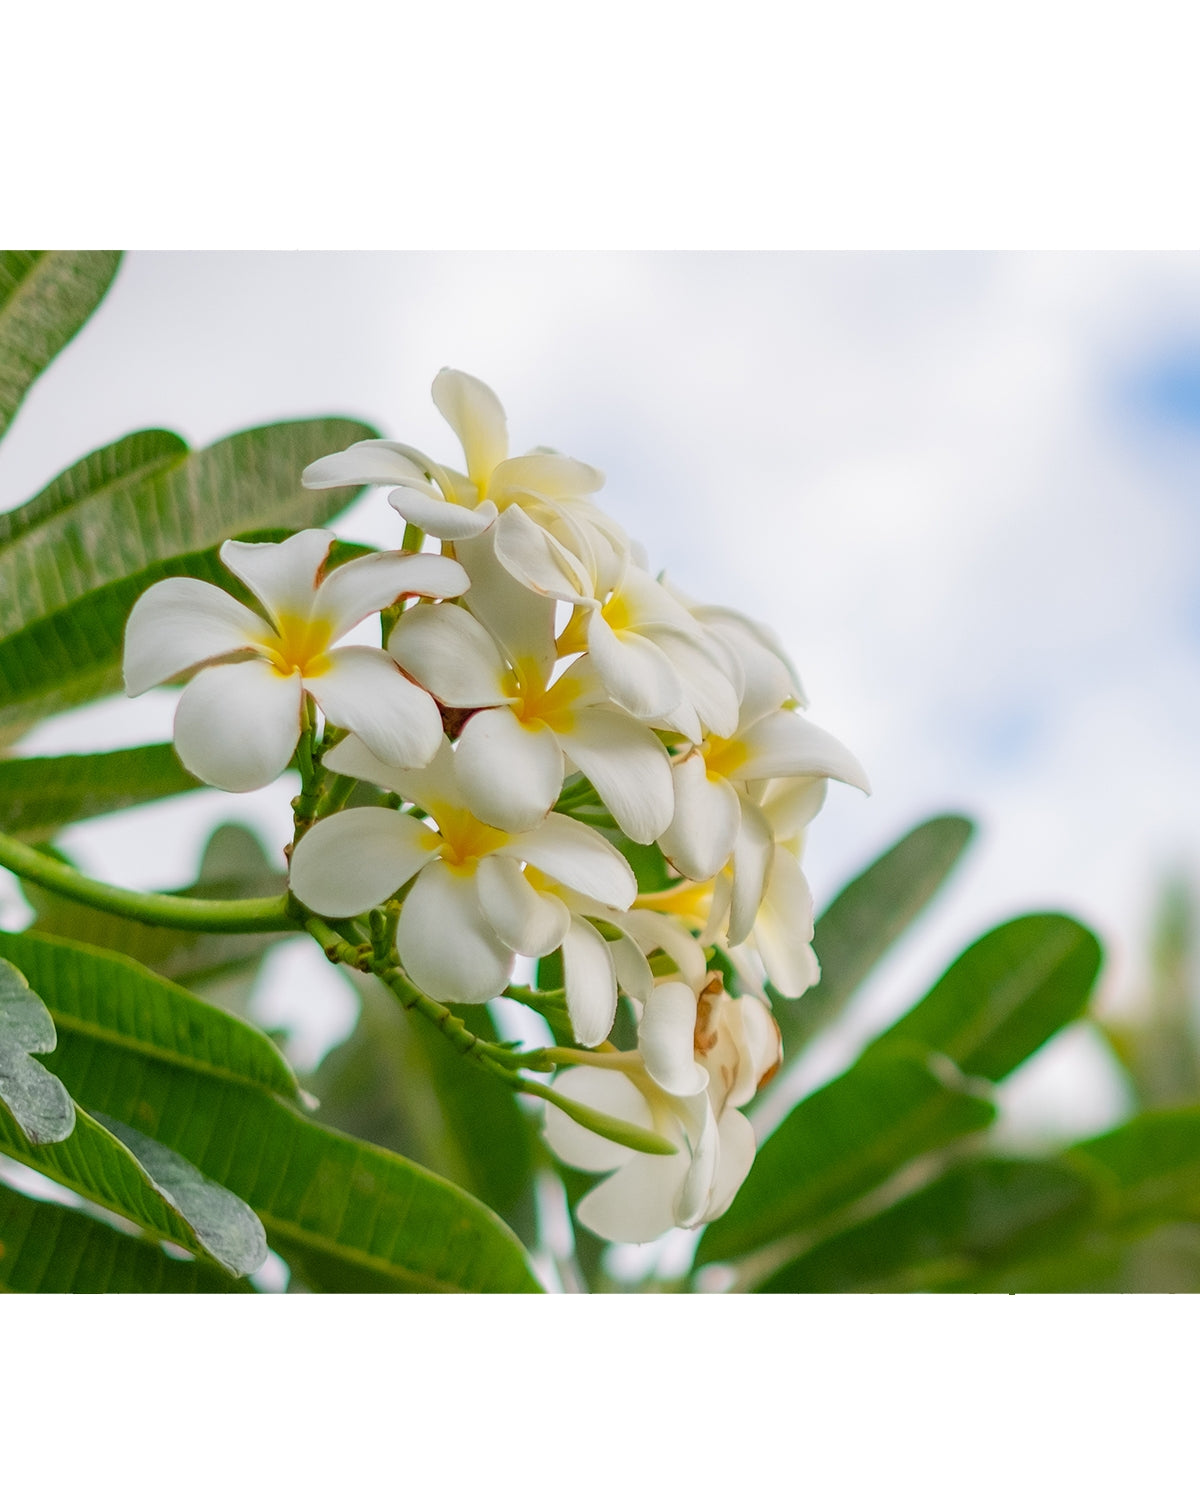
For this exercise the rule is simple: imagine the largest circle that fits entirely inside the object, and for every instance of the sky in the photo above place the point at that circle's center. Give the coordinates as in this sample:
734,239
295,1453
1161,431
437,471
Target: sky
961,488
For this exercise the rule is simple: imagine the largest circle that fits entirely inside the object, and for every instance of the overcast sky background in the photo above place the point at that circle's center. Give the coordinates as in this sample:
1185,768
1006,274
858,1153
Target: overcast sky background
961,487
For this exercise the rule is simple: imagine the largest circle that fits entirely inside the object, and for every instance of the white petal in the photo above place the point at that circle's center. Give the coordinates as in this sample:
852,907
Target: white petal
551,474
637,1203
705,825
612,1094
537,560
753,853
363,690
449,652
237,725
627,764
374,461
590,982
355,860
282,575
527,921
435,782
696,1192
510,773
366,584
439,517
785,744
634,975
473,410
579,858
652,929
522,621
181,622
665,1039
705,686
635,670
784,928
737,1148
792,802
446,944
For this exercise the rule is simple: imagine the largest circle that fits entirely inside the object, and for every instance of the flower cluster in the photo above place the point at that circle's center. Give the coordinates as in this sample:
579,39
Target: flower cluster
539,704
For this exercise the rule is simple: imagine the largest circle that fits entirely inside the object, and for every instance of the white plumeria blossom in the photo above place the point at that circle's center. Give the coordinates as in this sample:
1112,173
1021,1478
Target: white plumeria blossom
481,895
715,811
701,1055
529,726
238,720
547,531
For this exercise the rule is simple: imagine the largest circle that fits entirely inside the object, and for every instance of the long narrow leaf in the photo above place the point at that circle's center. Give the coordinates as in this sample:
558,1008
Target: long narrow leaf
865,918
46,296
43,793
38,1102
46,1247
893,1105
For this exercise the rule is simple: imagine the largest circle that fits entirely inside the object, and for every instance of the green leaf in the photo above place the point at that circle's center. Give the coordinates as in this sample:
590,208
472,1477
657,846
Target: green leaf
39,1103
41,794
377,1220
113,1000
46,1247
234,866
92,1162
46,296
1006,995
397,1081
966,1228
75,559
1152,1164
895,1104
864,919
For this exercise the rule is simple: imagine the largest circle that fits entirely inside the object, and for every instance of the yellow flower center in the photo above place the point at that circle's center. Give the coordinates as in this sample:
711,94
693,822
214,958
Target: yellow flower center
689,900
464,839
299,645
723,757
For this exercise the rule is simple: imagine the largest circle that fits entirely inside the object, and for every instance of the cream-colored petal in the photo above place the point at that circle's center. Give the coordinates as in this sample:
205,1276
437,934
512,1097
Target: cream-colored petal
519,619
539,562
551,474
449,652
612,1094
366,584
691,1205
373,461
637,1203
665,1039
636,672
626,762
355,860
578,857
784,929
753,854
363,690
527,921
236,725
590,982
785,744
281,575
510,772
473,410
449,522
705,824
435,782
446,944
737,1146
179,623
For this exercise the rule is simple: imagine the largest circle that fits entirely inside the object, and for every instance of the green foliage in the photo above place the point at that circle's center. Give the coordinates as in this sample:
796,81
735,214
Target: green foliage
36,1099
46,296
46,1247
42,794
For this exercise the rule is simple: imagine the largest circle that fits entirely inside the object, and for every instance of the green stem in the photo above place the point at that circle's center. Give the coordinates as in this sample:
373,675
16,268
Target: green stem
312,776
185,913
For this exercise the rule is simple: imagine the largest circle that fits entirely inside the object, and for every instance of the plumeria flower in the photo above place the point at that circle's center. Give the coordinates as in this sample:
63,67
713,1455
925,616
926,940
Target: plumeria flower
513,752
238,720
480,896
546,528
701,1055
715,812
